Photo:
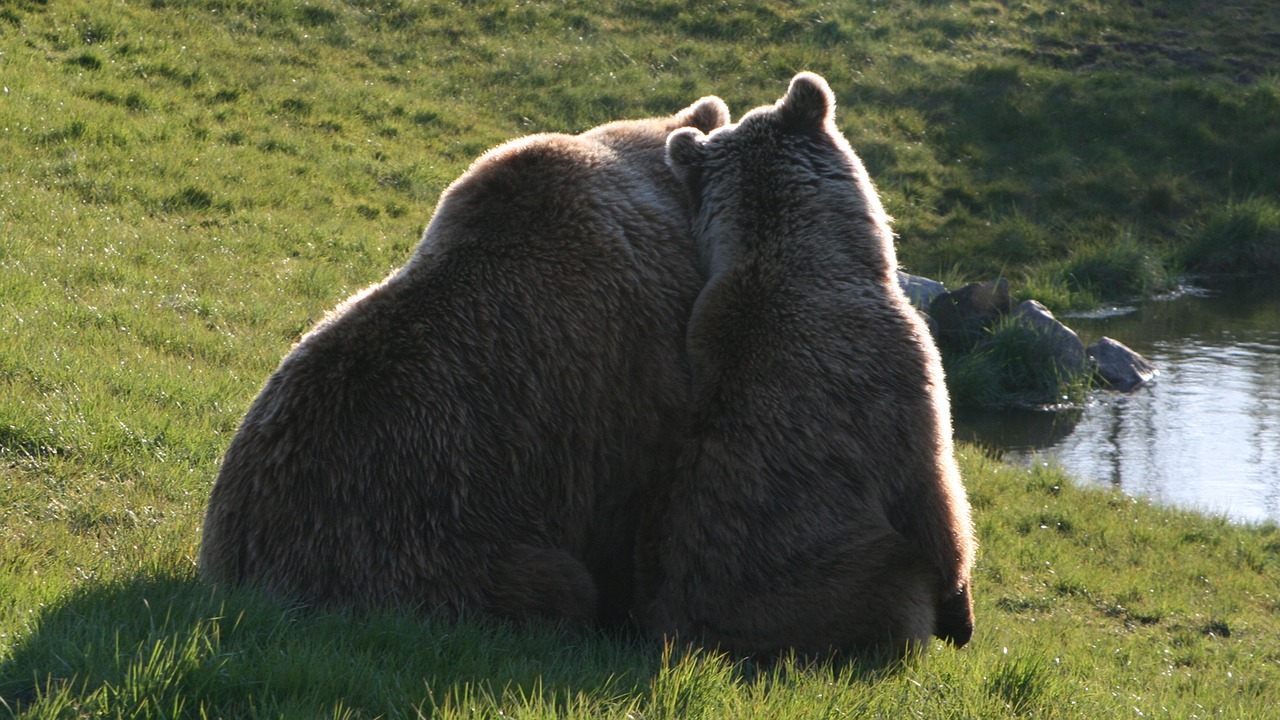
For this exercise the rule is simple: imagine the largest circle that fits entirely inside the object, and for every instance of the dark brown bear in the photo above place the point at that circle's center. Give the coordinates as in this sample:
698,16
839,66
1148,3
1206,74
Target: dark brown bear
474,433
817,506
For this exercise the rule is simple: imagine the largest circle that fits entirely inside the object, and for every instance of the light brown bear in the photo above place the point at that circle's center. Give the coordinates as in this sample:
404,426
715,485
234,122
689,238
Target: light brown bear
817,506
473,434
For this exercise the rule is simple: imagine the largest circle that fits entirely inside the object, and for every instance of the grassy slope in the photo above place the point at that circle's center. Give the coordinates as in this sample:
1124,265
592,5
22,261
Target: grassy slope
186,186
1089,605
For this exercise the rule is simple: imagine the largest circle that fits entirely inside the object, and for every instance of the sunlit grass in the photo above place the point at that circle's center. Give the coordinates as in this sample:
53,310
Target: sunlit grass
187,185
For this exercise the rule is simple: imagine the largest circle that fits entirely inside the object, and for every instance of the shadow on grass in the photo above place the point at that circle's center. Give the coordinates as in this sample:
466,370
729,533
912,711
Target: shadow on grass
170,646
1025,165
165,645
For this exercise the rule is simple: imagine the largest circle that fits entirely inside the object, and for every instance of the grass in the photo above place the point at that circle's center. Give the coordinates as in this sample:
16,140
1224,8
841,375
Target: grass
1013,365
1238,234
1007,139
187,185
1090,604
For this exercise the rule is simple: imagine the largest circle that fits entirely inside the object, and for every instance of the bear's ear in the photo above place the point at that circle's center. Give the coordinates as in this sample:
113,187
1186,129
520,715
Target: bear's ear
809,102
706,114
685,151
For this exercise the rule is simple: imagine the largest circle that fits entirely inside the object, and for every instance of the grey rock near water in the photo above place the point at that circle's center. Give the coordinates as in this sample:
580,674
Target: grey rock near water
1122,368
1068,350
959,318
920,290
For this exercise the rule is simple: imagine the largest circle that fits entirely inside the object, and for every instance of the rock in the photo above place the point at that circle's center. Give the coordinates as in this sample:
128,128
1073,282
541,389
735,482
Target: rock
920,290
1122,368
987,297
1068,351
959,321
962,315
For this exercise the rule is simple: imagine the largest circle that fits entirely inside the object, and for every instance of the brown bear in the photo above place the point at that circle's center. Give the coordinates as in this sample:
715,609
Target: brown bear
473,434
817,506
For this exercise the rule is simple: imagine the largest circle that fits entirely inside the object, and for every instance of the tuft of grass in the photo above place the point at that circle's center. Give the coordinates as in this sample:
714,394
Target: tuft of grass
1238,238
1049,285
1014,365
1099,271
693,685
1120,269
1021,683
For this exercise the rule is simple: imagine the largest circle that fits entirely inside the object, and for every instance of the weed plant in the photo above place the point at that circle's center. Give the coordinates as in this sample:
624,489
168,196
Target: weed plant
187,185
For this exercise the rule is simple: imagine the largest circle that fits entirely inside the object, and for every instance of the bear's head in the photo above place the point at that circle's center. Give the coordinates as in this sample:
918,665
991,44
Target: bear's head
704,115
779,171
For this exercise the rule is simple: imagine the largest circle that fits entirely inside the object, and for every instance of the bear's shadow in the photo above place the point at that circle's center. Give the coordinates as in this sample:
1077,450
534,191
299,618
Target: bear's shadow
168,641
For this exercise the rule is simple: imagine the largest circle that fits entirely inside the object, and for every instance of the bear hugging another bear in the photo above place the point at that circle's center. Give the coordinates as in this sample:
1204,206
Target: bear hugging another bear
661,370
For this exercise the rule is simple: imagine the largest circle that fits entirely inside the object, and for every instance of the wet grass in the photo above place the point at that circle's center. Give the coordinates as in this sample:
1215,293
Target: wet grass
187,185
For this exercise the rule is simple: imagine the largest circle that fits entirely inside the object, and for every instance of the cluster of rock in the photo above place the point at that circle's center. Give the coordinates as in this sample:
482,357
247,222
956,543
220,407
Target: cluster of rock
959,319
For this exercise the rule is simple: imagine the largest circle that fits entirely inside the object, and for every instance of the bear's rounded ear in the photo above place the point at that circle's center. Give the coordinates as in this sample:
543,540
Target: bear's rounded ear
809,102
706,114
684,150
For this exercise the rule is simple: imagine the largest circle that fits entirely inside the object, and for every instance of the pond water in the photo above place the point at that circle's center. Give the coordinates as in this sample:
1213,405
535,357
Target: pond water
1205,434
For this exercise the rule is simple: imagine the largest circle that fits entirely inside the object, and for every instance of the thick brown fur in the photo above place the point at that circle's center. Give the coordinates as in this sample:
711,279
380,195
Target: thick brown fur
817,506
473,434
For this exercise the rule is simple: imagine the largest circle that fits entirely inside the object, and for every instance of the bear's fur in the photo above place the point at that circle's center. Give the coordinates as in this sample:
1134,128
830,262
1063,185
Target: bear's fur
817,506
473,434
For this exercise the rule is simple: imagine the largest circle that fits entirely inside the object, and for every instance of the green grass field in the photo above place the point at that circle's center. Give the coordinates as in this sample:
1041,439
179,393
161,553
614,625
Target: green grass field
186,186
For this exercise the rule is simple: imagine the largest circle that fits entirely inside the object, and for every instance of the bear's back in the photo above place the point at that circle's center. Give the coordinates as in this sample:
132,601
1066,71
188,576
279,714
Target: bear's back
513,386
820,436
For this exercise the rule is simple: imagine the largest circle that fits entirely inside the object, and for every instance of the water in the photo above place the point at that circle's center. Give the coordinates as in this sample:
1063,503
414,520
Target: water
1205,434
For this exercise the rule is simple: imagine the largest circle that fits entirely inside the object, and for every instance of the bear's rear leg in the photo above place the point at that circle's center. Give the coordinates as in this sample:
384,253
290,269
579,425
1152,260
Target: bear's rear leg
955,618
859,593
533,583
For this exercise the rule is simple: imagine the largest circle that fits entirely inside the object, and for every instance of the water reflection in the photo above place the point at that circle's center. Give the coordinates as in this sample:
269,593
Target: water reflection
1205,434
